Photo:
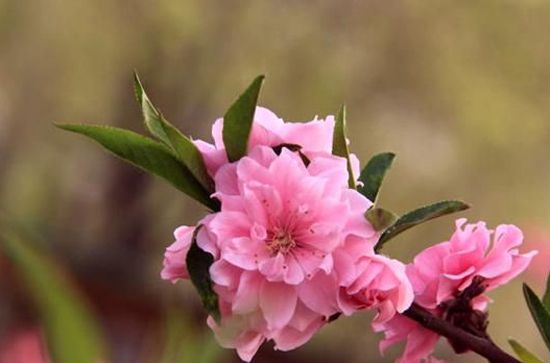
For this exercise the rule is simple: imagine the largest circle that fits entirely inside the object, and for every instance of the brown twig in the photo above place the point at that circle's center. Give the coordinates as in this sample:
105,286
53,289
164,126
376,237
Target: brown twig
482,346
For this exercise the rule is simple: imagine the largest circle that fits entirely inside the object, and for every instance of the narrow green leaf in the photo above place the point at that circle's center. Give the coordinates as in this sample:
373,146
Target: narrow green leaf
525,355
72,333
540,314
373,174
148,155
419,216
380,218
198,264
546,296
340,143
237,121
182,146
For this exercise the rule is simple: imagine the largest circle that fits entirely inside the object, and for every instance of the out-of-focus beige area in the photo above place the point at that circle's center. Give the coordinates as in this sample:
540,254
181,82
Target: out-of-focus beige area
459,90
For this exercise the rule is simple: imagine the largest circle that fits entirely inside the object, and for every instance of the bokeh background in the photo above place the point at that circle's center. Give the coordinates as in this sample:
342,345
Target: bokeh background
459,90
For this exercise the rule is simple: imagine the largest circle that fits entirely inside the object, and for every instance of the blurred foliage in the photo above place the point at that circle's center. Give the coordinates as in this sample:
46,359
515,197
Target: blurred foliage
458,90
183,345
65,316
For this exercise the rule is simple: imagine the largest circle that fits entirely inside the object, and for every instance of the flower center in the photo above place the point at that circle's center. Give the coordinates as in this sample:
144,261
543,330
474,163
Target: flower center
281,241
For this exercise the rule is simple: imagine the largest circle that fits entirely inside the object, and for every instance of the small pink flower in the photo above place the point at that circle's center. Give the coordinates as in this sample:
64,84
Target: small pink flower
378,282
174,258
441,272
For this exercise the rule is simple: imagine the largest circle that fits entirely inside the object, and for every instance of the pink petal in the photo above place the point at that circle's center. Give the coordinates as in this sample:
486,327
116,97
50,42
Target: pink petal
319,294
315,135
290,338
224,273
278,303
242,252
247,296
248,345
213,158
294,273
272,267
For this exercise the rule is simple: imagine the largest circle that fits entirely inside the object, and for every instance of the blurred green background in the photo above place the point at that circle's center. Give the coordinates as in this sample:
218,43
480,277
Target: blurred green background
458,89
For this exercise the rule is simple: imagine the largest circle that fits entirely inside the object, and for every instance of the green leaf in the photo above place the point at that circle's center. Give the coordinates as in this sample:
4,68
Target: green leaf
148,155
72,333
546,296
198,264
380,218
373,174
340,143
180,144
419,216
540,314
151,116
525,355
237,121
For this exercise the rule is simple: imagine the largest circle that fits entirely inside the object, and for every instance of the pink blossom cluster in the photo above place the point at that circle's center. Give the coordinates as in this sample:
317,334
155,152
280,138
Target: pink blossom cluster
292,248
442,272
291,244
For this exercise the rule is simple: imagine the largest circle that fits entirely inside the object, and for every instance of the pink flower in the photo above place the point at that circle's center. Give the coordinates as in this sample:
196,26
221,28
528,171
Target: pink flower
441,272
174,258
376,282
314,137
274,243
291,244
284,219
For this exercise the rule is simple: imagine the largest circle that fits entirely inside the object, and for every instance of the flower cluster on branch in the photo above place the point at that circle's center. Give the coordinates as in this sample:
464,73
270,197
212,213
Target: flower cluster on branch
291,244
294,231
450,280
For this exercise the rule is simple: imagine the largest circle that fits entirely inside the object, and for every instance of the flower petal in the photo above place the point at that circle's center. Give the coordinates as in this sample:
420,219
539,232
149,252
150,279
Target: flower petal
278,303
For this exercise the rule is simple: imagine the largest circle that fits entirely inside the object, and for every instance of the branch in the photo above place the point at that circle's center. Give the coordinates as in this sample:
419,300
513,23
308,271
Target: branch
481,346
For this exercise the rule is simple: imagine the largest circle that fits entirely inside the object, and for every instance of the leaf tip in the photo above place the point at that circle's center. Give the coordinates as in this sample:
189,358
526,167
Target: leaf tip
342,113
458,205
64,126
138,88
257,82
